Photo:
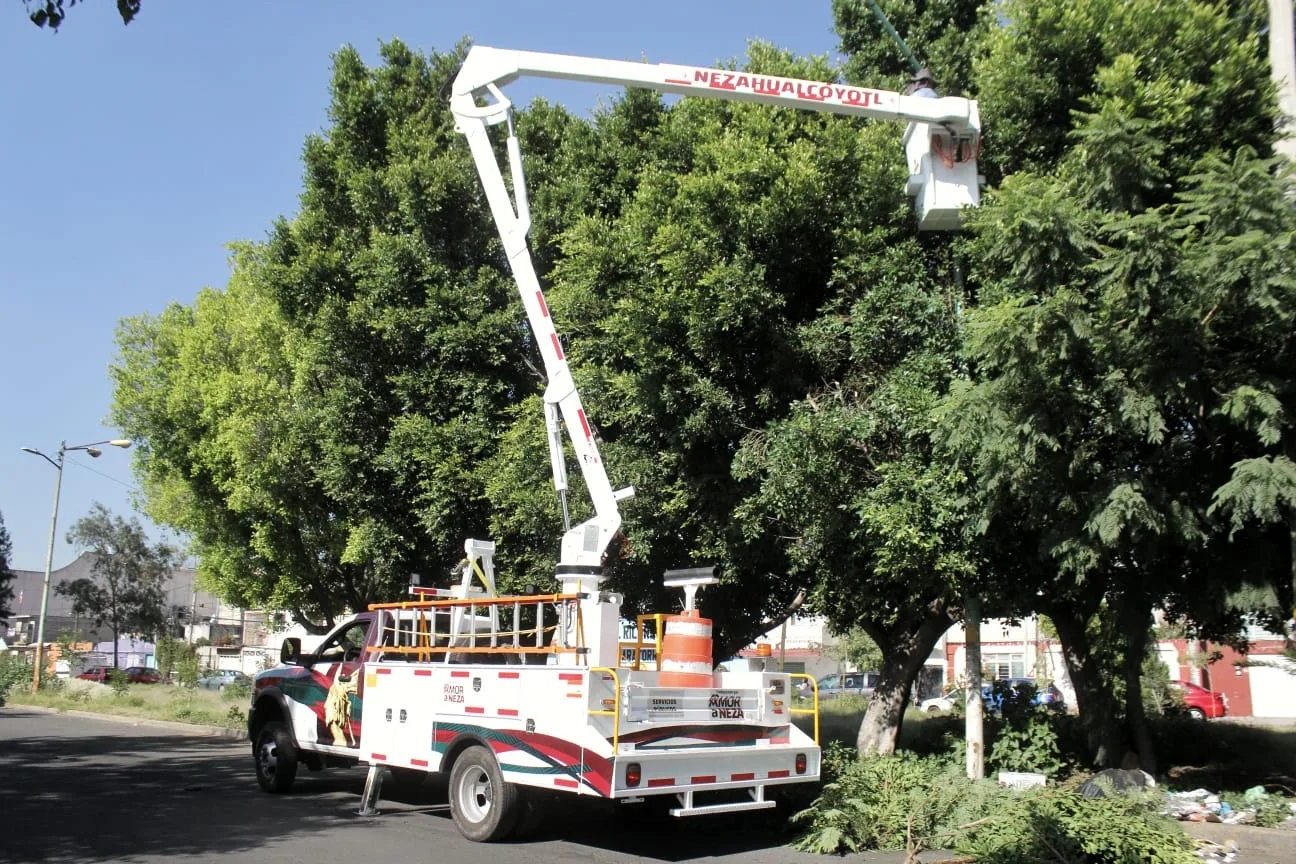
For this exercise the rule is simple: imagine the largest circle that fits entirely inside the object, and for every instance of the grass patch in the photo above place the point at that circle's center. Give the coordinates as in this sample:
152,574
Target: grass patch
1222,757
144,701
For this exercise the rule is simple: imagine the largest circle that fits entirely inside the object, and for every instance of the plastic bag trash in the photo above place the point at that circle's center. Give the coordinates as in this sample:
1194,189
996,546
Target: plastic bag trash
1208,850
1111,780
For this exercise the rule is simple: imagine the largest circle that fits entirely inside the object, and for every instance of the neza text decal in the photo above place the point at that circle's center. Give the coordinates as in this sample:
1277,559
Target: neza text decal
454,692
726,706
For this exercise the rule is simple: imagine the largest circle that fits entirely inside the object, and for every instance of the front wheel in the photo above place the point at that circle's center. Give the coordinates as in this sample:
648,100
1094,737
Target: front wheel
1196,713
276,758
484,807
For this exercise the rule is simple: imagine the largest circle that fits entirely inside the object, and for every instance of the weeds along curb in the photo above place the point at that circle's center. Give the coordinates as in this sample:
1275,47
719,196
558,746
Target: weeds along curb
194,729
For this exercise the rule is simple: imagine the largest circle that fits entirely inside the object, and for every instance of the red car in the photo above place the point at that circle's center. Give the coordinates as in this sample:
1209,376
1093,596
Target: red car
96,673
143,675
1202,704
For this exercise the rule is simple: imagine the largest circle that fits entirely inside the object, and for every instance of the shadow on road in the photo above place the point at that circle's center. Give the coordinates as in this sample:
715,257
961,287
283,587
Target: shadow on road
138,793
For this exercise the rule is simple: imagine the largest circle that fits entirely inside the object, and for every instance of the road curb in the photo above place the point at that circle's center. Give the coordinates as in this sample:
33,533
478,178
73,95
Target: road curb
194,729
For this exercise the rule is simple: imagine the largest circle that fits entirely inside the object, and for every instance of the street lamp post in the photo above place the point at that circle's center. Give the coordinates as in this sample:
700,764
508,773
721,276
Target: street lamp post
49,555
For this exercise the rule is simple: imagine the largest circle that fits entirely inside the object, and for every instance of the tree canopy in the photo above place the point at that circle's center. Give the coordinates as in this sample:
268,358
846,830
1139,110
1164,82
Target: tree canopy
1081,407
126,588
6,575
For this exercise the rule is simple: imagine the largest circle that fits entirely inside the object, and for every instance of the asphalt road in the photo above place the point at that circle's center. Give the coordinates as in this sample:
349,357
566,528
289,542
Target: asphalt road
74,789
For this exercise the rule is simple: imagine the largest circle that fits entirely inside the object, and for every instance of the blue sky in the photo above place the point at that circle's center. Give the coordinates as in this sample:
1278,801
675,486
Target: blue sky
129,157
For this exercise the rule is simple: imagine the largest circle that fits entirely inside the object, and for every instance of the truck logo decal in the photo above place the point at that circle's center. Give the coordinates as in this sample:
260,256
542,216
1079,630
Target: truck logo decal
476,685
561,757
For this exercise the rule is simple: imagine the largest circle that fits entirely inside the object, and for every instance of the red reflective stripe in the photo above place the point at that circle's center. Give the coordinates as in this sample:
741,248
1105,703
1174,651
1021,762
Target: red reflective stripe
557,348
378,757
747,776
570,677
584,424
422,671
472,709
662,781
508,674
384,671
779,773
565,783
544,309
458,674
422,763
709,779
508,712
678,81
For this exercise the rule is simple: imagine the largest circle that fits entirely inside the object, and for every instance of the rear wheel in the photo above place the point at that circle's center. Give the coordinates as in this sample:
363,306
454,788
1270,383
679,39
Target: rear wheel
484,807
276,758
1197,713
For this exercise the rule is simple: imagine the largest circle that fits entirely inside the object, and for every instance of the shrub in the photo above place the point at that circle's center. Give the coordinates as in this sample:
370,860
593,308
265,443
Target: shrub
888,802
1028,742
1059,825
187,669
118,681
13,673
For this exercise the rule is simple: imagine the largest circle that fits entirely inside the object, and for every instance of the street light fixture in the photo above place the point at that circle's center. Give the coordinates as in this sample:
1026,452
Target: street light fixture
49,556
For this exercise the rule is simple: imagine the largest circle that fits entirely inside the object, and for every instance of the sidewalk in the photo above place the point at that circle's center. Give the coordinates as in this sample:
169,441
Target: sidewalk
1254,845
171,725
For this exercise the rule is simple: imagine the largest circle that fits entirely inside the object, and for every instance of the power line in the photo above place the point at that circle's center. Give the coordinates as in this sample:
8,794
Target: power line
81,464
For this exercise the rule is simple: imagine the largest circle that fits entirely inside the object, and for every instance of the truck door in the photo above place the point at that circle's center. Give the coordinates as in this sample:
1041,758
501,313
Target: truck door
336,665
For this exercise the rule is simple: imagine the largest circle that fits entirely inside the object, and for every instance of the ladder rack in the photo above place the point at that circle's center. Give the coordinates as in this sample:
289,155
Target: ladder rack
424,630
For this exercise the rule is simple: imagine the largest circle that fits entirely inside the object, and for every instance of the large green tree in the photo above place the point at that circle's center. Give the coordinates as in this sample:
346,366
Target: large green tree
126,588
316,426
1131,338
6,575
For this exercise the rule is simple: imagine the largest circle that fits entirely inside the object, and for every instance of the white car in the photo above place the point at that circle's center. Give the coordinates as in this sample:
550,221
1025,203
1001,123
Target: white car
937,703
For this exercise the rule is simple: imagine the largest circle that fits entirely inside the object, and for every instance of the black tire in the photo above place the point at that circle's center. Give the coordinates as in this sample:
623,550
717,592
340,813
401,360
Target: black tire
275,757
484,807
1196,713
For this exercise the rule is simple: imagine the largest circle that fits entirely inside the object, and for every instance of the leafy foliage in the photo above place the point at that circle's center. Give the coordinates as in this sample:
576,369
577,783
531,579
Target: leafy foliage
884,802
50,13
14,673
1060,825
126,589
1131,340
6,575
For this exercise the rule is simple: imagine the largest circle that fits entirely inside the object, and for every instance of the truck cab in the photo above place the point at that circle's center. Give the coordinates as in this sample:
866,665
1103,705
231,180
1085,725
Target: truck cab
308,709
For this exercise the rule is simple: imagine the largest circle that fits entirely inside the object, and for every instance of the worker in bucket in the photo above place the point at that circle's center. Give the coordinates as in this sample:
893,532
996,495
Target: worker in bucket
922,84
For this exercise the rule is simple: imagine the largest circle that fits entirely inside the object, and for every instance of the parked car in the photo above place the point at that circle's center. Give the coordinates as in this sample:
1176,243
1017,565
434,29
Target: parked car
223,678
95,673
992,696
1202,704
847,684
143,675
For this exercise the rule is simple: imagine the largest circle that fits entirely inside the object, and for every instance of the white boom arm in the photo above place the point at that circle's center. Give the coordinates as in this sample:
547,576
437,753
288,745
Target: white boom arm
941,144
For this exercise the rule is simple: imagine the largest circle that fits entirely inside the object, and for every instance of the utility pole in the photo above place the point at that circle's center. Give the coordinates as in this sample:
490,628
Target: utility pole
975,732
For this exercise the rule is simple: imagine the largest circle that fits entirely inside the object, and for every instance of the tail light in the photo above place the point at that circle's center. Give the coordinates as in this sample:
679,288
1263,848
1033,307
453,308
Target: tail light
800,763
633,775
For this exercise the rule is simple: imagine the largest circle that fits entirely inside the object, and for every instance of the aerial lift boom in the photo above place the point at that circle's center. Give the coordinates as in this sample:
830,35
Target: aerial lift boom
941,143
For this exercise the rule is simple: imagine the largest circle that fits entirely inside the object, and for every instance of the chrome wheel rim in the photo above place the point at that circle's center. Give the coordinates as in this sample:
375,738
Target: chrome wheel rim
268,758
475,795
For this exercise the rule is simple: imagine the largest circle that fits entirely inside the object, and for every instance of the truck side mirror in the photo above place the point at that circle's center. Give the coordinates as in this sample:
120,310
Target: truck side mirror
290,652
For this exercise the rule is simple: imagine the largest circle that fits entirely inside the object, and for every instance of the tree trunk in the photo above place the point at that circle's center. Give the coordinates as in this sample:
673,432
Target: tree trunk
975,728
1134,617
904,651
1093,696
